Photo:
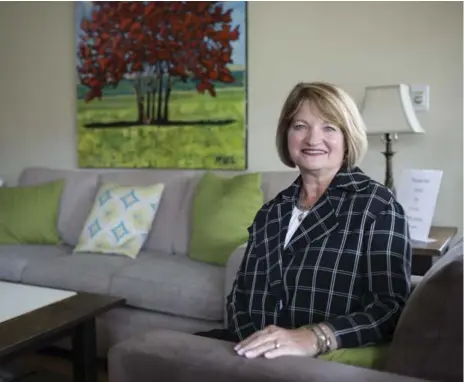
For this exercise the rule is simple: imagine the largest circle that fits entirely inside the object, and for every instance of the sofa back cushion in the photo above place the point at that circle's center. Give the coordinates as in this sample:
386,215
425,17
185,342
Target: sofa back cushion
76,199
428,340
273,182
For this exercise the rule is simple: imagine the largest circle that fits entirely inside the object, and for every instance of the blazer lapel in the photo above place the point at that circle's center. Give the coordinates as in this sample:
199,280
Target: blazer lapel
283,213
318,223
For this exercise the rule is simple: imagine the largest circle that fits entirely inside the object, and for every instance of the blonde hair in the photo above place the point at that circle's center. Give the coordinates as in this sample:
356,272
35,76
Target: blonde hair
333,105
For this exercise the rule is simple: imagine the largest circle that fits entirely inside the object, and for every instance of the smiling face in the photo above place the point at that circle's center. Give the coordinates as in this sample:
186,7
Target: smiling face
315,145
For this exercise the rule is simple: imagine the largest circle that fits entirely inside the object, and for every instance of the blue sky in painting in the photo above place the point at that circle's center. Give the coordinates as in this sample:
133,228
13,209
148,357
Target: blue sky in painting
84,9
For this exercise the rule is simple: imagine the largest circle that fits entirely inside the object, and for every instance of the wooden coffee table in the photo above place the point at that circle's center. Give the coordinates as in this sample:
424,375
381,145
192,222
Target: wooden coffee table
71,316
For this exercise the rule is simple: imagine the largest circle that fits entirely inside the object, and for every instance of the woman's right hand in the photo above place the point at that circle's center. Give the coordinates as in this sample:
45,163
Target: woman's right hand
273,342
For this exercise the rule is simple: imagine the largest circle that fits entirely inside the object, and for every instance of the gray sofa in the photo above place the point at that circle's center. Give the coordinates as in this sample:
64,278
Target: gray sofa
427,345
170,296
163,287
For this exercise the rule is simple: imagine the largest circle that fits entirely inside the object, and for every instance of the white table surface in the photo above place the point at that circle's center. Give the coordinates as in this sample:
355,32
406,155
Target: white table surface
17,299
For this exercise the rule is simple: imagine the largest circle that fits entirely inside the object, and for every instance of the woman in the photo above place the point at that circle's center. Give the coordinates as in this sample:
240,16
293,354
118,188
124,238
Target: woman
327,263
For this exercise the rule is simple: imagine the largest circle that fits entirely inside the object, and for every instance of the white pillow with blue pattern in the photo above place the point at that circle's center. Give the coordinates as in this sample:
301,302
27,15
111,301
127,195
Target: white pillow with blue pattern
120,219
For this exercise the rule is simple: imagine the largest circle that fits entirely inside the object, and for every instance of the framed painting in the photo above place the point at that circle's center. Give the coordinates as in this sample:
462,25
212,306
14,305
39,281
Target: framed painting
161,84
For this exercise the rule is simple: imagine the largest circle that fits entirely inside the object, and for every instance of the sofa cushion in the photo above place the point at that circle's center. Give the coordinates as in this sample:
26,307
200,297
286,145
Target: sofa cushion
370,357
85,272
172,284
29,214
223,209
163,232
15,258
273,182
76,200
120,220
428,339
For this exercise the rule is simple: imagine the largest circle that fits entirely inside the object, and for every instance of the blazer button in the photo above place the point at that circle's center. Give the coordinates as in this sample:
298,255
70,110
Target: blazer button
281,305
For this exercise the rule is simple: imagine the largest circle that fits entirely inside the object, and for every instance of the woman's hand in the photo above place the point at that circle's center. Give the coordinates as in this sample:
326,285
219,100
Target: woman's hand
273,342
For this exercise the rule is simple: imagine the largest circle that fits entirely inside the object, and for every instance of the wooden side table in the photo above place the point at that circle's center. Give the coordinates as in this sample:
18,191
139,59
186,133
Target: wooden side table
424,253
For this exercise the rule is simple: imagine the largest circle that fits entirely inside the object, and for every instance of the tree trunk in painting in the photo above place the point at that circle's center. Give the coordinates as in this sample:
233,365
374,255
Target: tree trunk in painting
160,92
148,117
166,99
139,99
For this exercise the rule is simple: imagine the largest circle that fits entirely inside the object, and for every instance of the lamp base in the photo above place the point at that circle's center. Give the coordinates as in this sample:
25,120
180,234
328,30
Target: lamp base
388,153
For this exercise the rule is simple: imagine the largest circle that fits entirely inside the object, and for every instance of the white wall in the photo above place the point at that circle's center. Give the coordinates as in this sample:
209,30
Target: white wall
353,44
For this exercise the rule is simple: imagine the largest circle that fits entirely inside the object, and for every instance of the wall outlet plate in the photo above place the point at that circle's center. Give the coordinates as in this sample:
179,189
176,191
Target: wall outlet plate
420,97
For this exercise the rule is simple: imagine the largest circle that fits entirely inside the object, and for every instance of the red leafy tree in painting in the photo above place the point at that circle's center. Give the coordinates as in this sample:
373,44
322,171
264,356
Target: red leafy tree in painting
153,44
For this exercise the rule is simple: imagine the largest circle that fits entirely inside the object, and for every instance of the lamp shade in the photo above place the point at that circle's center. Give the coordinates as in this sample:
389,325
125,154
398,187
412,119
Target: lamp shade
388,109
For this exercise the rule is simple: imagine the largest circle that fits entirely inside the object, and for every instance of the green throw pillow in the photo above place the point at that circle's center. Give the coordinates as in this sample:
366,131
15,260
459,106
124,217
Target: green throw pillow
29,215
370,357
223,209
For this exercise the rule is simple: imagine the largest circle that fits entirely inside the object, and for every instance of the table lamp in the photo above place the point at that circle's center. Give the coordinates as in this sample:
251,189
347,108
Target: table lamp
388,111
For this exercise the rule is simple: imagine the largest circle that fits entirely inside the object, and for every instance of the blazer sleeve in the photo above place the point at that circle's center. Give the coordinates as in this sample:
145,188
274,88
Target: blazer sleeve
238,318
387,282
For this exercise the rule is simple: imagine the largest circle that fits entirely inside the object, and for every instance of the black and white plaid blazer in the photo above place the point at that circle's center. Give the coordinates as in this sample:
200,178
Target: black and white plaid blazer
348,264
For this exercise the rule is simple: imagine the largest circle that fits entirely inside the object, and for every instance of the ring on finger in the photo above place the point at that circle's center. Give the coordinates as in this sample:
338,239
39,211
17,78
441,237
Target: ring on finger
276,344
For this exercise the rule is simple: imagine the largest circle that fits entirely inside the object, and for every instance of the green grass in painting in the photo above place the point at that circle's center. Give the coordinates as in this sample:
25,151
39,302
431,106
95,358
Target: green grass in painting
187,144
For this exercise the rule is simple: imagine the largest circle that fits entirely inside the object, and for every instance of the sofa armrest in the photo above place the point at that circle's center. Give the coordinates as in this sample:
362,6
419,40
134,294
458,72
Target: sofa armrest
416,280
231,270
169,356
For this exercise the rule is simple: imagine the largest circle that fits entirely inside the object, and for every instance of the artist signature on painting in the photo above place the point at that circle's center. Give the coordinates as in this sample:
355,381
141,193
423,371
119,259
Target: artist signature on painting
225,159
